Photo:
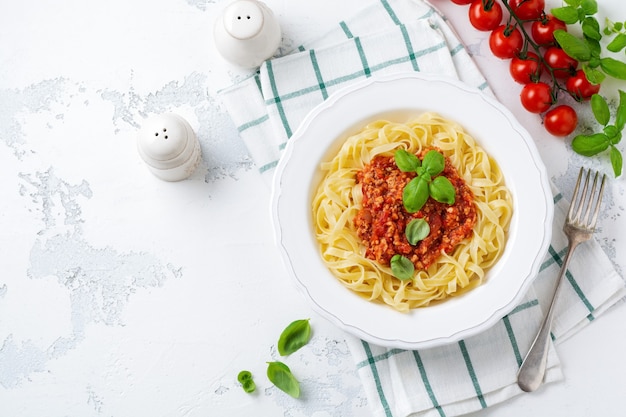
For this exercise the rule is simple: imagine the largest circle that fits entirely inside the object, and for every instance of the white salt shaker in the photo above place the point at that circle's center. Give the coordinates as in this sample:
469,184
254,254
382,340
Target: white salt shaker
169,146
247,33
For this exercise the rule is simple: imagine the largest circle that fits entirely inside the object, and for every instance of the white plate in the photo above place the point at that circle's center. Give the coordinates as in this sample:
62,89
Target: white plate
397,97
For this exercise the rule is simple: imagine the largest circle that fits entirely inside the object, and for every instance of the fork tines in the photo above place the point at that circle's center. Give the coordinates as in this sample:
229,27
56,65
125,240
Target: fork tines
585,203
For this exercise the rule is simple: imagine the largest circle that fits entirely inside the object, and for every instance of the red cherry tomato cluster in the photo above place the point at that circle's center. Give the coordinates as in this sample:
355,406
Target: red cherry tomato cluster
523,32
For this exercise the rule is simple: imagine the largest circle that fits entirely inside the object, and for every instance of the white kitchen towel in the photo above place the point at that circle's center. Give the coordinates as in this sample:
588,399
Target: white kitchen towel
405,35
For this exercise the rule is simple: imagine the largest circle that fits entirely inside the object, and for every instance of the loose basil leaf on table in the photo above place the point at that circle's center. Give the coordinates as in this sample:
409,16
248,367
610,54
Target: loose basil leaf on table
567,14
417,230
295,335
589,6
600,109
612,134
590,145
620,117
591,28
594,75
618,43
245,378
613,67
573,46
402,267
280,375
616,161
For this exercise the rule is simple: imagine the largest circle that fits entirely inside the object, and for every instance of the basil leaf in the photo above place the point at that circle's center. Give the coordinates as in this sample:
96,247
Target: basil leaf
280,375
620,116
600,109
402,267
245,378
248,386
614,140
591,28
590,145
589,6
618,43
568,14
424,174
415,194
416,230
610,131
614,68
296,335
442,190
406,161
594,62
573,46
593,75
433,162
595,48
616,161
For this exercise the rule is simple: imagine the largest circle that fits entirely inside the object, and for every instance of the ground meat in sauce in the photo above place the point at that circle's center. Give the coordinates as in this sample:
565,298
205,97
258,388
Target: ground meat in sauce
382,219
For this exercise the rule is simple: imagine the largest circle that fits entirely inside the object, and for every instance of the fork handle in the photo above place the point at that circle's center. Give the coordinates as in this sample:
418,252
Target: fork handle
533,368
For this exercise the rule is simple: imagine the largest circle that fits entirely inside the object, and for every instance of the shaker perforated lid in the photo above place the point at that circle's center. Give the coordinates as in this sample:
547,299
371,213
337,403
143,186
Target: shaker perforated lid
243,19
247,33
168,145
163,137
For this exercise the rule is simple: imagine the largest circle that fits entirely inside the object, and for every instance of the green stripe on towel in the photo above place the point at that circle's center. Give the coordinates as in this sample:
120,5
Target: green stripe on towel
318,74
277,99
509,331
359,47
429,388
472,373
379,388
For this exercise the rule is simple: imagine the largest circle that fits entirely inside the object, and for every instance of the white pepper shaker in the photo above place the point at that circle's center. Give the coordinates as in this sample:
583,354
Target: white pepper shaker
247,33
169,146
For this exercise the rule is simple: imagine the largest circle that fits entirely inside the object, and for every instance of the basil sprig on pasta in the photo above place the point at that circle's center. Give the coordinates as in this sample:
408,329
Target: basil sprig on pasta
417,191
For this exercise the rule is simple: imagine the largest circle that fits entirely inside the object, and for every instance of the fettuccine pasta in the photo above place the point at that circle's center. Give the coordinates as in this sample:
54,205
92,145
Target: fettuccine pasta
338,200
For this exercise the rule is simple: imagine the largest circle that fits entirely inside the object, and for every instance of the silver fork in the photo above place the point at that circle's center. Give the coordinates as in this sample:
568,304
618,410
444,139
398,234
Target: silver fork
579,227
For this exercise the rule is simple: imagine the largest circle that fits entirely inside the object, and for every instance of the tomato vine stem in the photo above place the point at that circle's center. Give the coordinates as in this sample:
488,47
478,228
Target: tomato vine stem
556,85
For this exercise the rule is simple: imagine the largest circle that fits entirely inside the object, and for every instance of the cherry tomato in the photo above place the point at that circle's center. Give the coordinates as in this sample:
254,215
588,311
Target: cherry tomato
562,64
561,120
579,87
506,41
461,2
536,97
485,17
542,30
525,70
527,9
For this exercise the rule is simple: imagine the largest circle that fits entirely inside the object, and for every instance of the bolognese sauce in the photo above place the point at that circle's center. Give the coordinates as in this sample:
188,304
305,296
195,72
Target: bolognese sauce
382,220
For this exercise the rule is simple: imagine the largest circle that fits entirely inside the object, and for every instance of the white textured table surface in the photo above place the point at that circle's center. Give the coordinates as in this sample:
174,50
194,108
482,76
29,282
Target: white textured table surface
122,295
